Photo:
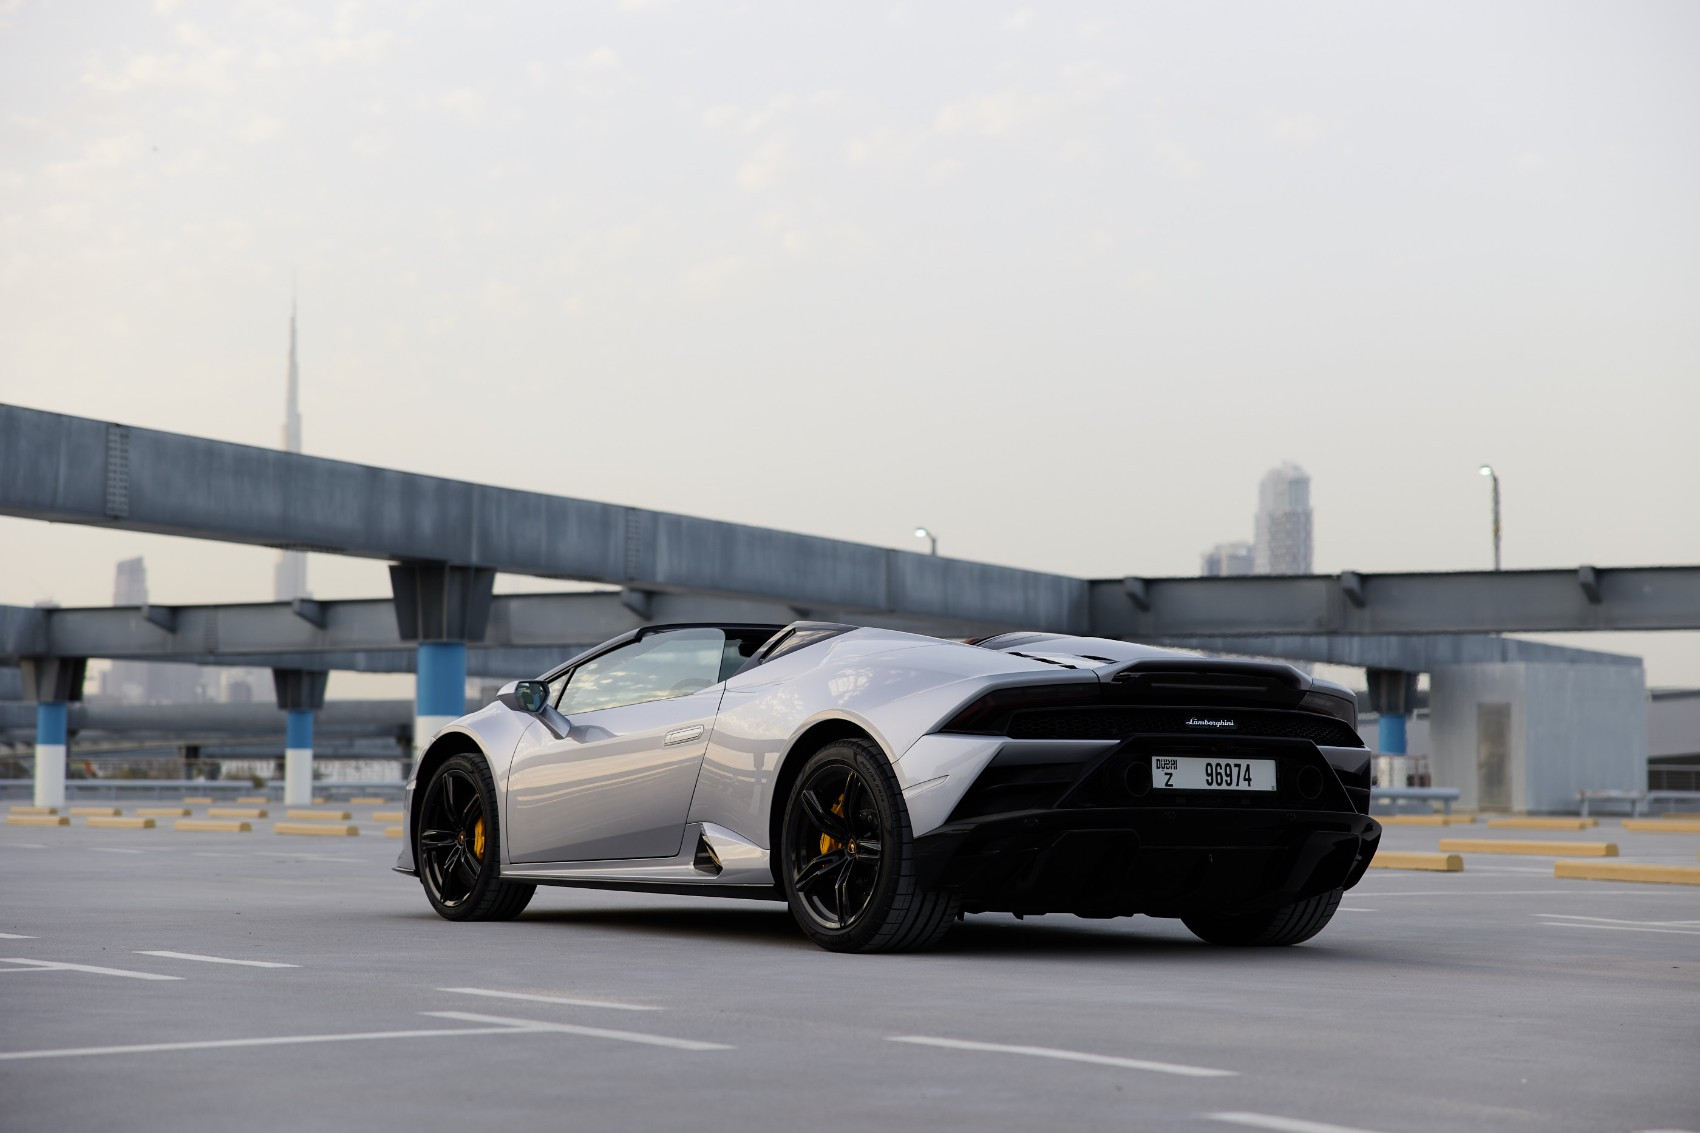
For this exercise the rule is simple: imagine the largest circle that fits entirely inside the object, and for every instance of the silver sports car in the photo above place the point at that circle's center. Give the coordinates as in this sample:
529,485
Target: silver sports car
883,784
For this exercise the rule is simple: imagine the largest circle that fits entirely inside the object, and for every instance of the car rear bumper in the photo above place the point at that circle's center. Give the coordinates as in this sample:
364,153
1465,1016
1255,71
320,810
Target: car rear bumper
1158,861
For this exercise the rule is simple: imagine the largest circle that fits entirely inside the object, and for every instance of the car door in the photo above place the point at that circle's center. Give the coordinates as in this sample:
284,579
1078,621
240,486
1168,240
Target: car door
618,783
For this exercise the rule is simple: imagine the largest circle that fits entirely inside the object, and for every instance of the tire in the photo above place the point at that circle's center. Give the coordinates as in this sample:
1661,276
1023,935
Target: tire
457,846
843,897
1285,924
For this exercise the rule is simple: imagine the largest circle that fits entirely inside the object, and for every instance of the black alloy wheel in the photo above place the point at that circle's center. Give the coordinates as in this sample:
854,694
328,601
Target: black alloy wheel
847,858
455,846
836,858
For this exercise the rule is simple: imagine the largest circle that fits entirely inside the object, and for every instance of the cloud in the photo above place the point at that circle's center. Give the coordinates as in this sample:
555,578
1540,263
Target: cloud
463,104
1297,130
994,115
762,169
101,156
202,64
1176,160
261,129
1020,20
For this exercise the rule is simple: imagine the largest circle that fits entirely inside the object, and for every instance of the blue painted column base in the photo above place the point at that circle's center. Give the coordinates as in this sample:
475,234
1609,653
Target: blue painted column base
52,730
298,758
440,690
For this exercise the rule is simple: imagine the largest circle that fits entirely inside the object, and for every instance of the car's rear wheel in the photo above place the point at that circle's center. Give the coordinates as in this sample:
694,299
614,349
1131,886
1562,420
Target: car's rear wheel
455,846
1285,924
847,857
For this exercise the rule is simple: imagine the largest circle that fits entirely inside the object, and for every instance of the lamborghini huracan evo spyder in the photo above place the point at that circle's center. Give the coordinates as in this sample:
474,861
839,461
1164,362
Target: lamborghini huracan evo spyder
884,783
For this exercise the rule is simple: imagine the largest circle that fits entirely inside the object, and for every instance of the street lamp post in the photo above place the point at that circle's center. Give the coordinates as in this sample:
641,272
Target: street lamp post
923,533
1487,470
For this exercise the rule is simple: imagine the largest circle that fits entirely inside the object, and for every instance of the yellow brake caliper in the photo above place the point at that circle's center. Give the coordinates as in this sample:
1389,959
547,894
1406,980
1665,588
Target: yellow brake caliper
478,839
828,843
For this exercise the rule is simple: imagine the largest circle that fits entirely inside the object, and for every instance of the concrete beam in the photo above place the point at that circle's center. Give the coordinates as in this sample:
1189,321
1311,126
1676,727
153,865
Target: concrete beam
1414,653
1472,602
77,470
362,633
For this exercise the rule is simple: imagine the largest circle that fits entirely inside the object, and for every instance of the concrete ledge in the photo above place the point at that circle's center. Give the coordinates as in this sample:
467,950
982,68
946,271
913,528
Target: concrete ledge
368,800
392,832
197,800
110,822
323,829
37,820
1532,822
1662,825
321,815
386,816
1424,819
164,811
90,811
33,810
252,800
1628,871
1398,859
237,812
1544,849
214,825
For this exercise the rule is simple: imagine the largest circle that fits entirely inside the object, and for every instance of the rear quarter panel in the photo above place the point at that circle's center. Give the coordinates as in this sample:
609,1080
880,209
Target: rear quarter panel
897,687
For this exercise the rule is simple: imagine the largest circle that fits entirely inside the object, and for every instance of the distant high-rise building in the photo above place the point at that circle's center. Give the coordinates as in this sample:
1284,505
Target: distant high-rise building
290,577
145,682
1283,539
1225,559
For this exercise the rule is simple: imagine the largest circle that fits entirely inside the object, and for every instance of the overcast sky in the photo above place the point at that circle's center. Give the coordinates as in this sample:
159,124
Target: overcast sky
1060,282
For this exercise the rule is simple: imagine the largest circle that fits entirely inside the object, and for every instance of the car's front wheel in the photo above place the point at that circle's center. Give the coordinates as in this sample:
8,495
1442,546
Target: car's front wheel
455,846
847,857
1284,924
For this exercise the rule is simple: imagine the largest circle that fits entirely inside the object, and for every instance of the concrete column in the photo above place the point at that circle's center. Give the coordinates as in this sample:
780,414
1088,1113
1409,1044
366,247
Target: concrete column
52,682
440,690
51,732
298,759
442,606
1390,733
300,693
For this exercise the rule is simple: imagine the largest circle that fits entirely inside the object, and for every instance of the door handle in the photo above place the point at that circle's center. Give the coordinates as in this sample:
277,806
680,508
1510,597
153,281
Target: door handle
682,735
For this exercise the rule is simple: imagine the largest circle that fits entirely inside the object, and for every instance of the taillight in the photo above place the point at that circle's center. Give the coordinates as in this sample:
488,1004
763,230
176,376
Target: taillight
989,714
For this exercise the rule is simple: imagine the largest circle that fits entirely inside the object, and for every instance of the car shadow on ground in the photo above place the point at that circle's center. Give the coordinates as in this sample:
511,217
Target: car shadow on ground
985,935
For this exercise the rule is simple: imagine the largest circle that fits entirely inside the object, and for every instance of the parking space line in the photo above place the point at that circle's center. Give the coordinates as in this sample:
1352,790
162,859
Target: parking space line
1617,920
561,999
110,850
281,1040
1283,1124
14,936
216,959
589,1032
56,966
1067,1056
1621,927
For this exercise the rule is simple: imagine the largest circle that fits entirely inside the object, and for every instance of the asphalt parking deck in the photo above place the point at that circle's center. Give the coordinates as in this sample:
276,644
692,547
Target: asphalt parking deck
163,979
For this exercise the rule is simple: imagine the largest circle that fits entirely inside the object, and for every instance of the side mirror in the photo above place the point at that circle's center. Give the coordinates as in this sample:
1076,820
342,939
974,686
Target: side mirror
530,697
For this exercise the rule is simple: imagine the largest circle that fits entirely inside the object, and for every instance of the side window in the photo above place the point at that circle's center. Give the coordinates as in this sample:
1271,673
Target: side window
658,667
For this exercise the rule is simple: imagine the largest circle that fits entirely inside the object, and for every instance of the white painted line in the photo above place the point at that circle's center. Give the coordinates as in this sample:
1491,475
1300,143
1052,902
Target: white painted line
1622,928
110,850
1616,920
24,845
14,936
284,1040
216,959
528,997
55,966
1283,1124
589,1032
1356,909
1067,1056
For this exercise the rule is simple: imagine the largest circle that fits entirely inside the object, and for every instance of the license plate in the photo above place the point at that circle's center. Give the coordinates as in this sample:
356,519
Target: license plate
1192,773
